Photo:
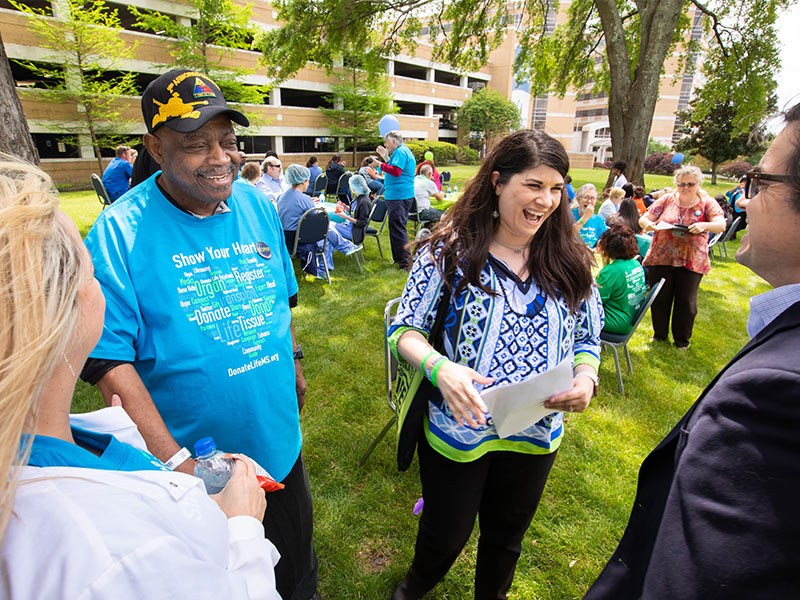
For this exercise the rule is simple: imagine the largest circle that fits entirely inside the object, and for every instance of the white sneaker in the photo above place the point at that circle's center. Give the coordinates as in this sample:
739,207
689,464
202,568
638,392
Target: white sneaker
353,250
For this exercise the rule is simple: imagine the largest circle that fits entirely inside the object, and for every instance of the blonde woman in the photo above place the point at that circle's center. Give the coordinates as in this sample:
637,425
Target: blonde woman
83,513
611,205
681,220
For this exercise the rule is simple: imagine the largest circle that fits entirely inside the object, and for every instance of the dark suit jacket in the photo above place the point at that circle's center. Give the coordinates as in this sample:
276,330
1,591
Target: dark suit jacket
717,509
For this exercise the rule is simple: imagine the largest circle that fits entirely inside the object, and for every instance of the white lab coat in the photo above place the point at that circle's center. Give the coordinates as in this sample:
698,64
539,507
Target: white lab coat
89,534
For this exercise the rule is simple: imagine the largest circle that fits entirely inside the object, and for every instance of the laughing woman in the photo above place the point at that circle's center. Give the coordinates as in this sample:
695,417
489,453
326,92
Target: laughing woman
522,301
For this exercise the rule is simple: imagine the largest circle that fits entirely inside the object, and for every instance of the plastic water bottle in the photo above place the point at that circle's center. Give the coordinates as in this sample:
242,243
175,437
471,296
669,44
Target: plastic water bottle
213,467
455,190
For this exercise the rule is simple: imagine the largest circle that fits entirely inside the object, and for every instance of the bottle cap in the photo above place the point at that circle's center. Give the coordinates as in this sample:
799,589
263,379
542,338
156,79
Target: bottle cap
204,446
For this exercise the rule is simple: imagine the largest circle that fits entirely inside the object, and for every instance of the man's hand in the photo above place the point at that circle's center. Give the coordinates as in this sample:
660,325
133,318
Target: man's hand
381,152
588,213
300,382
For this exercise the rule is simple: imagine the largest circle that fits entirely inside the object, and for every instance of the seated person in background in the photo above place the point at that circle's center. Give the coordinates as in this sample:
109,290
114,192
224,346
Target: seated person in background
272,182
424,188
334,172
251,173
117,176
638,198
727,210
611,206
89,512
735,197
357,219
618,170
429,161
588,225
373,178
569,188
291,206
628,215
621,281
313,167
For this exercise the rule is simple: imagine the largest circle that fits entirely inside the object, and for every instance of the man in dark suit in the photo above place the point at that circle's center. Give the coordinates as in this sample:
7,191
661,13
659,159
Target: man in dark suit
716,509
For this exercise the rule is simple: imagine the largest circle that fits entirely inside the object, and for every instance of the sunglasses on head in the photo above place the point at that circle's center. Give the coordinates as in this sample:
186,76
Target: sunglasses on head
753,179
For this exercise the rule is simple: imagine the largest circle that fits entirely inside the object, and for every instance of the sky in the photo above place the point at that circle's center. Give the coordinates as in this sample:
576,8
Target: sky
789,76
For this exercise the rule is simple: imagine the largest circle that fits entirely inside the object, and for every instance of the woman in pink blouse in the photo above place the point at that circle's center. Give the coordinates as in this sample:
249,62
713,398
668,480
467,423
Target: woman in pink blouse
681,221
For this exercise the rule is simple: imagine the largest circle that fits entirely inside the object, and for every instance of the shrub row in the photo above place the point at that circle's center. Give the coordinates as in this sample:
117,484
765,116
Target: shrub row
736,170
442,151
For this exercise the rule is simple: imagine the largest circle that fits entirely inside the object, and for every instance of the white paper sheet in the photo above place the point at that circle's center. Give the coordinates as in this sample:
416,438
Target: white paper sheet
517,406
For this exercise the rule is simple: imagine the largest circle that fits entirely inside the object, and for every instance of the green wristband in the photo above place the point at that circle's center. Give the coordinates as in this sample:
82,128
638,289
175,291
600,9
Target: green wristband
424,360
436,367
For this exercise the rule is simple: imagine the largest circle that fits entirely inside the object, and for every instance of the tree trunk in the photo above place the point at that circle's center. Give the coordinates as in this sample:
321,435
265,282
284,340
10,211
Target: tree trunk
15,137
714,173
95,143
634,91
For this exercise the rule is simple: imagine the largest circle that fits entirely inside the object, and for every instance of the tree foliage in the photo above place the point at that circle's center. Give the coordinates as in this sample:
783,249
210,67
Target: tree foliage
714,133
208,44
360,98
85,53
489,113
615,46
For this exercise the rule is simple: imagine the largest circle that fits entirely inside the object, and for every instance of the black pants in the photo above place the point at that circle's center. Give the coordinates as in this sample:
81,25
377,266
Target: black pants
289,524
398,234
503,489
679,297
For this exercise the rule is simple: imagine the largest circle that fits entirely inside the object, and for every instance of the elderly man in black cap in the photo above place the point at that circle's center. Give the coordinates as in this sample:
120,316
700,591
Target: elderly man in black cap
198,338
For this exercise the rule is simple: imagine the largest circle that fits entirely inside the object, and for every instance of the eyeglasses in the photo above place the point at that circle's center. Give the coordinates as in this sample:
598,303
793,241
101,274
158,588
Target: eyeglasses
272,166
687,185
751,182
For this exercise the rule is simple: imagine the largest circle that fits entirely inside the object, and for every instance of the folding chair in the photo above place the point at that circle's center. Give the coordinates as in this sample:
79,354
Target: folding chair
319,185
378,215
313,228
615,340
343,185
413,216
728,235
100,190
390,372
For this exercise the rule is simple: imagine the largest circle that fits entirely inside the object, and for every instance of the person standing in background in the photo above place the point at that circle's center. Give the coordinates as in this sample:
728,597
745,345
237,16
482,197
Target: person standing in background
398,167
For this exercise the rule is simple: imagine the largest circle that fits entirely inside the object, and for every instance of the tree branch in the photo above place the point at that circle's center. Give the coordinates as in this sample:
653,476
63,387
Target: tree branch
717,27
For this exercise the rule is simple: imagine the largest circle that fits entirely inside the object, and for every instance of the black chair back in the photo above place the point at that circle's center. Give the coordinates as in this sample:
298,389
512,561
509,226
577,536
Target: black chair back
312,227
378,211
444,176
319,185
100,190
344,184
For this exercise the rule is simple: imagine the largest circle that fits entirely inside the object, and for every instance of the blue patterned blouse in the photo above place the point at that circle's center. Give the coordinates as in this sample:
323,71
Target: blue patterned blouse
509,336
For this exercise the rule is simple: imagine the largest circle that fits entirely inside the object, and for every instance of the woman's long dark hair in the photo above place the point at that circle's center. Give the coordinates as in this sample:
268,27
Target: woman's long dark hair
556,259
336,158
629,215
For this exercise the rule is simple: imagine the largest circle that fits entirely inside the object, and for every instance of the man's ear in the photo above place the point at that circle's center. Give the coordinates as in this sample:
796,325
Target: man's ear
153,145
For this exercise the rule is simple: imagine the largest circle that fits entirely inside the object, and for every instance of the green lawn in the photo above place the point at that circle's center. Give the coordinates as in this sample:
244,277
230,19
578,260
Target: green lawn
365,528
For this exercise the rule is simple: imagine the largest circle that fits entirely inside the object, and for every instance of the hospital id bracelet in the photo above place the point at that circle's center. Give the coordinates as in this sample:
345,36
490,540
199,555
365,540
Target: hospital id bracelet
178,459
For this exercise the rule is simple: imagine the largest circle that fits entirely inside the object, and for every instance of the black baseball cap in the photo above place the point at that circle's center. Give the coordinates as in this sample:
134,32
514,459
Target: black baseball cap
184,101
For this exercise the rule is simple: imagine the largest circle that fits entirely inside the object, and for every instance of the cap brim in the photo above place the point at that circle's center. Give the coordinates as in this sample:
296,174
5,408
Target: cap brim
206,114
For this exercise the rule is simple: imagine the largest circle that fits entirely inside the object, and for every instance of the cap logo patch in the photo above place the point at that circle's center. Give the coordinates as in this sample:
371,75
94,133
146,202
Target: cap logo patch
176,107
201,90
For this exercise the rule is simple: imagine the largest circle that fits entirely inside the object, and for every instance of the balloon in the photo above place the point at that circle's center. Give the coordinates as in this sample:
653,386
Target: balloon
677,158
388,123
429,155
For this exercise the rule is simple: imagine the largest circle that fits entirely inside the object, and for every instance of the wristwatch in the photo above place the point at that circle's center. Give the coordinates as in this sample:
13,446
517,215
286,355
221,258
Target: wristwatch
595,379
298,352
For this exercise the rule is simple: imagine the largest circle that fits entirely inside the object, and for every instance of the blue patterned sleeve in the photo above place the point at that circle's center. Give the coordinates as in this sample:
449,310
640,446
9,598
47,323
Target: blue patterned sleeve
588,325
420,298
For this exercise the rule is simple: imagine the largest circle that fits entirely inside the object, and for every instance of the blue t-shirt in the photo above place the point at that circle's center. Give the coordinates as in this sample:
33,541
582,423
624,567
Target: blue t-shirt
291,206
117,178
115,456
402,186
315,171
200,306
594,228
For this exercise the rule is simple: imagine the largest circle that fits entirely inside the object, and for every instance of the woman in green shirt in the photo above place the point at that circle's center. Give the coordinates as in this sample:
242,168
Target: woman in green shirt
621,281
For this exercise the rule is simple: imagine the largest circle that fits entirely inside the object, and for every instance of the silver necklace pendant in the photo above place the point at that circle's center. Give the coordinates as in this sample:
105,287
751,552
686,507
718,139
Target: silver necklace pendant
517,250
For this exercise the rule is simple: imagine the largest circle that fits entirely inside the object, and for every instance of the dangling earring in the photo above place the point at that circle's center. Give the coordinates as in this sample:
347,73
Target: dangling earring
495,214
69,364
